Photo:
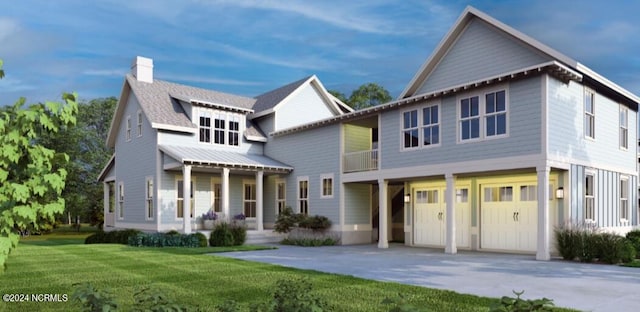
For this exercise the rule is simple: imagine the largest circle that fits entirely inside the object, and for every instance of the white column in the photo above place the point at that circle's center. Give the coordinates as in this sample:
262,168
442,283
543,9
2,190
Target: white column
105,196
450,193
383,186
225,193
543,252
259,200
186,198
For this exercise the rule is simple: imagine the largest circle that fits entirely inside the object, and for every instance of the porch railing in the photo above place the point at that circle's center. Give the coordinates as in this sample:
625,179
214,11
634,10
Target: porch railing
360,161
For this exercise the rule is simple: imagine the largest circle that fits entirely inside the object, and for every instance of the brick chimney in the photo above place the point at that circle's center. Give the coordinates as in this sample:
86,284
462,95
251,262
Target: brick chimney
142,69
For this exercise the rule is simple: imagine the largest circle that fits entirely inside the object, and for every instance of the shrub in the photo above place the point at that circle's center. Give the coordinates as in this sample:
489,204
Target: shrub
400,304
288,220
297,295
310,238
634,238
587,243
93,299
610,247
202,239
628,252
173,232
316,223
221,235
285,221
151,299
517,304
239,233
164,240
112,237
567,240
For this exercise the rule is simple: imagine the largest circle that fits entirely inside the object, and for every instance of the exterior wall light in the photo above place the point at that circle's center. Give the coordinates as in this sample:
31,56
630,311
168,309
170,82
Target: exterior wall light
407,198
560,193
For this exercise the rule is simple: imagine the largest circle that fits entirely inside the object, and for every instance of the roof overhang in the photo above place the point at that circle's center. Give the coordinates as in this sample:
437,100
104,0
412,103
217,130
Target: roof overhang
168,127
198,102
554,68
178,154
102,177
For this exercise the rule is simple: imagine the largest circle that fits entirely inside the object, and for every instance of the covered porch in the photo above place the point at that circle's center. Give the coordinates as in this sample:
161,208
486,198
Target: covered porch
218,181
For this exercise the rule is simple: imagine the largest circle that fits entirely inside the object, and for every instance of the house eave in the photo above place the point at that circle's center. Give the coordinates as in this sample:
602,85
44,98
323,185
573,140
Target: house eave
161,126
203,103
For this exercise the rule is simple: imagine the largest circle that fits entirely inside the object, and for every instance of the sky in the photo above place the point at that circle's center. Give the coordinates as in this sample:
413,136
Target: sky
249,47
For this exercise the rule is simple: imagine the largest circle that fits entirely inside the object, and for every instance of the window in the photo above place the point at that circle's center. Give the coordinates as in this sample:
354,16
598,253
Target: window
205,129
139,123
303,195
624,127
249,200
528,193
430,125
589,114
462,195
498,194
495,113
112,197
218,129
121,200
327,186
128,130
410,129
483,117
589,197
624,199
149,197
216,194
180,199
469,118
234,130
281,191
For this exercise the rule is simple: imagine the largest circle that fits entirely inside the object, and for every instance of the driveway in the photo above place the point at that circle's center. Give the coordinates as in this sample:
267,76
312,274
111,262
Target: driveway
590,287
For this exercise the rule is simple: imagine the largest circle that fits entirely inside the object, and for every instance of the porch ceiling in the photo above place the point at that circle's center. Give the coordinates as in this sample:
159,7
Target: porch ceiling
213,158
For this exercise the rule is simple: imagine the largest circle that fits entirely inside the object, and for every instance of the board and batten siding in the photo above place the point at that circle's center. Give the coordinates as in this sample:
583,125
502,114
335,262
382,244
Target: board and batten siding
312,153
523,124
135,160
607,197
305,105
567,141
481,51
357,206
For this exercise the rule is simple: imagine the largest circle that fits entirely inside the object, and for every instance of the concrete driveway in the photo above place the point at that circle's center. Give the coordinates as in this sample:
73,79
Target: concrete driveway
589,287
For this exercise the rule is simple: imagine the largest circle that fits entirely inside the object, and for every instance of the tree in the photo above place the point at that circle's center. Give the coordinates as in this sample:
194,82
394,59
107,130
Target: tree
367,95
32,176
85,144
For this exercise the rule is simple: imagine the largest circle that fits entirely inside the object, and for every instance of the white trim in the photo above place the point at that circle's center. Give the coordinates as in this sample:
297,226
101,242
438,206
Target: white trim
140,226
276,195
127,129
482,114
204,103
298,195
544,122
162,126
625,109
591,92
214,181
121,201
175,198
149,196
624,221
253,182
139,123
420,126
323,177
592,173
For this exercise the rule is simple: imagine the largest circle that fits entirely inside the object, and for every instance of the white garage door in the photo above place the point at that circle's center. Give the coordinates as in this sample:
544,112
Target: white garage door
430,216
509,216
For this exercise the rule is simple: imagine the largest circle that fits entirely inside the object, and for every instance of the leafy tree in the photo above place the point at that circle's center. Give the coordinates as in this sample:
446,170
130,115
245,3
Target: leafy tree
84,143
32,176
367,95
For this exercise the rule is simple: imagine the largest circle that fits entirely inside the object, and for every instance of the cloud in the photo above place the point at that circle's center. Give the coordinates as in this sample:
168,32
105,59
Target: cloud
212,80
105,72
301,62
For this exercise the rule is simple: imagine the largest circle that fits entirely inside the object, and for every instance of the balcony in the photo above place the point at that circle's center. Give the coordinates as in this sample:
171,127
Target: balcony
360,161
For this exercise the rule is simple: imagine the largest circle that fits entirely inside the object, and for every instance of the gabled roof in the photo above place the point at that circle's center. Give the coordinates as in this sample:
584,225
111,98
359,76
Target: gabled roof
268,102
160,103
465,18
107,168
211,157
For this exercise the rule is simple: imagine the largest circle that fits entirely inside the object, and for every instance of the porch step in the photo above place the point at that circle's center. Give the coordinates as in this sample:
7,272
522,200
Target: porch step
263,237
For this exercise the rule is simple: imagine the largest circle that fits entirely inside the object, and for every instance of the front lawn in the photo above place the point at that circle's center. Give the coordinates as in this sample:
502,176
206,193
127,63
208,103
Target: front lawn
40,266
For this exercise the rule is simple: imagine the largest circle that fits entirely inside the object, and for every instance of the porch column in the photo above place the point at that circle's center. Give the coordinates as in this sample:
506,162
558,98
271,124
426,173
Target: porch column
450,193
383,187
186,198
259,200
224,197
543,252
105,196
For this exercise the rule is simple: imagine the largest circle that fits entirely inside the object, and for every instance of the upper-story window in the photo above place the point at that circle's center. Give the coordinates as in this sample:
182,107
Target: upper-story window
483,117
128,129
421,127
139,123
624,127
589,114
219,127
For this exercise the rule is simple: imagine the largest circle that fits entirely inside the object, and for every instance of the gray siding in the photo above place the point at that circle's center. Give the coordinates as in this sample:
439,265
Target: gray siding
311,153
306,105
481,51
524,130
135,160
566,128
357,203
607,196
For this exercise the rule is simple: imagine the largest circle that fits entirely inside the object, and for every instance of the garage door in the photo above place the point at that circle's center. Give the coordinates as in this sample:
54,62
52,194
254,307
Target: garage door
509,216
430,216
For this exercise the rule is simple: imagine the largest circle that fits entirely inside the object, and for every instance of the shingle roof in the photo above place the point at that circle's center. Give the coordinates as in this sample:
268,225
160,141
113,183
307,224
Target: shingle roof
270,99
253,132
160,108
219,158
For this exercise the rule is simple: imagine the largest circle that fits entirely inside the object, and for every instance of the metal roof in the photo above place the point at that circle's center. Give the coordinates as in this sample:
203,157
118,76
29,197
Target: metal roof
212,157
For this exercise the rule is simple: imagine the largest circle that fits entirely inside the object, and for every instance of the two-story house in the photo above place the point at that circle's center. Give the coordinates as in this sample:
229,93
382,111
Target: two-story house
497,139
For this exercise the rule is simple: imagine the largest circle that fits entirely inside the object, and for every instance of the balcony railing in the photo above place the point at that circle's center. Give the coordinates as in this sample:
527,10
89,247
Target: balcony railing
360,161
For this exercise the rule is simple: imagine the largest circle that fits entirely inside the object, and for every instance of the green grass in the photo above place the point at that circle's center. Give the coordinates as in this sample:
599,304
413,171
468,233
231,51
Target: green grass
52,264
633,264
